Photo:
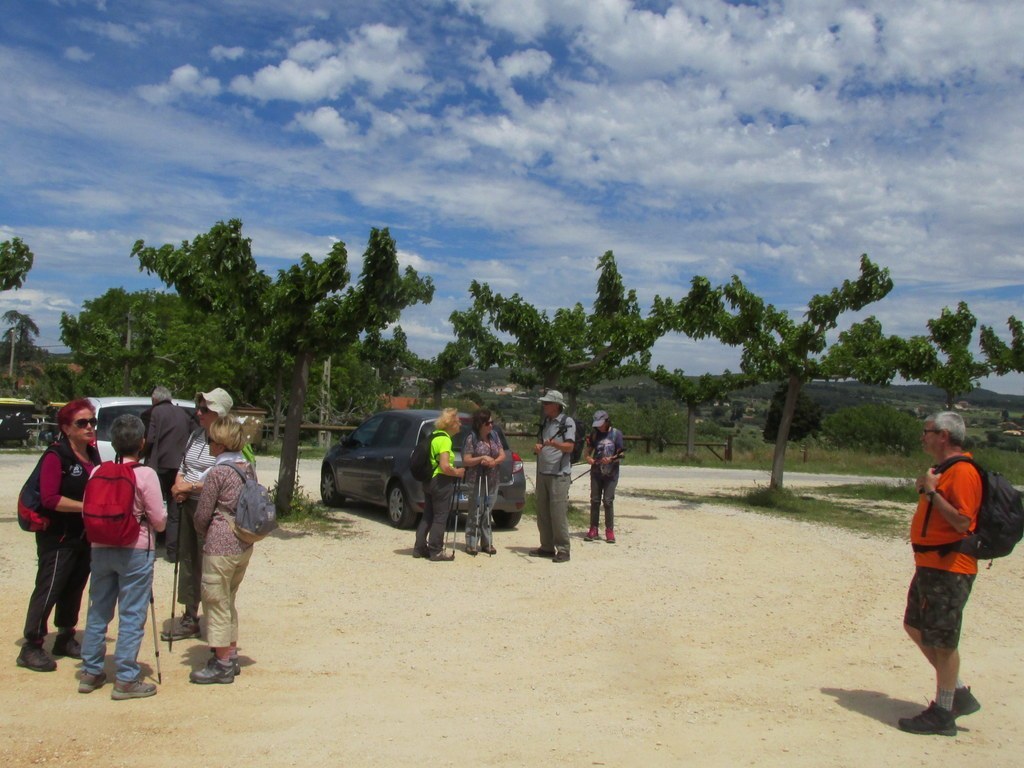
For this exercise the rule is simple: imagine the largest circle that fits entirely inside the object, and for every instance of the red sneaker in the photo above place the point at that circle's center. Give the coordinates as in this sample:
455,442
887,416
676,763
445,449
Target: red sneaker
591,534
609,535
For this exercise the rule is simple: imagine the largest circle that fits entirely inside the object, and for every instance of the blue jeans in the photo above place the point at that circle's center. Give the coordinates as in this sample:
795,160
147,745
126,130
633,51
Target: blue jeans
123,576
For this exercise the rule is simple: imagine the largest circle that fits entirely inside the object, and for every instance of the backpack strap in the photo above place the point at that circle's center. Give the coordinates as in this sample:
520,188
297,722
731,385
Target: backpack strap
951,546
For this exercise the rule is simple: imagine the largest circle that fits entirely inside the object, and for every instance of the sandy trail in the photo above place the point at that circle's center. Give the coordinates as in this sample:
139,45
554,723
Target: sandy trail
706,635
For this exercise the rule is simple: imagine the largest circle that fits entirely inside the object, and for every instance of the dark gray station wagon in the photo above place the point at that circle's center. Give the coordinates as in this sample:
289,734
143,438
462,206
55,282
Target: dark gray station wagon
372,464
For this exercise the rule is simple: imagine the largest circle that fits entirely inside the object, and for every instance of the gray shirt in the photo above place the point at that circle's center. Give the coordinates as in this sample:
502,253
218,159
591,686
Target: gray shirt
552,461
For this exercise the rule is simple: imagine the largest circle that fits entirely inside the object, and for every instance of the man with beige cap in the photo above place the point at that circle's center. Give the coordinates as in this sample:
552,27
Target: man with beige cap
555,443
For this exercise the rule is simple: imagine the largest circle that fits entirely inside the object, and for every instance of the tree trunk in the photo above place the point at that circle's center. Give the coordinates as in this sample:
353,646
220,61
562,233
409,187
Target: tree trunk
691,429
292,425
278,393
438,391
785,422
10,370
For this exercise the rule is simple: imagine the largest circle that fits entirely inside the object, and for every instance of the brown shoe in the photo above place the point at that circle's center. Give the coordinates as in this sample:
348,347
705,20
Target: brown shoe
490,550
87,683
562,556
442,557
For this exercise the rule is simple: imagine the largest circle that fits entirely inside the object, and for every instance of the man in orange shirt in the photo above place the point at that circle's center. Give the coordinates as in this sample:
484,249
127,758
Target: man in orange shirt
946,512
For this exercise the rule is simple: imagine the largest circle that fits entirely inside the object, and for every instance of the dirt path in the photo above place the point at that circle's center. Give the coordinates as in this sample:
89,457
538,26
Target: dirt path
706,636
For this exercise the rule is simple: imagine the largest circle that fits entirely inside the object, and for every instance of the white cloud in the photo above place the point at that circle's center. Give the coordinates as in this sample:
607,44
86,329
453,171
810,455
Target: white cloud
332,129
377,55
186,80
531,63
74,53
224,53
118,33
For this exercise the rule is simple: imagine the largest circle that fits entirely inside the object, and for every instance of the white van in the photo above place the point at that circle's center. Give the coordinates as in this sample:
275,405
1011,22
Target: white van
109,408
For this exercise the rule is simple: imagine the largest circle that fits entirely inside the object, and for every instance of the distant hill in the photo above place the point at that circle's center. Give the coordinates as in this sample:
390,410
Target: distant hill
830,395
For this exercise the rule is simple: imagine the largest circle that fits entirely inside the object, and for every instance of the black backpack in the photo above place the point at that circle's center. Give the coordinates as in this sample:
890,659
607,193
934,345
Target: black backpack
420,465
1000,522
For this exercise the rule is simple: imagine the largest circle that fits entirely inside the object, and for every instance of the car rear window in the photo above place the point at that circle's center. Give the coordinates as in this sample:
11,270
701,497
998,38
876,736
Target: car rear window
108,413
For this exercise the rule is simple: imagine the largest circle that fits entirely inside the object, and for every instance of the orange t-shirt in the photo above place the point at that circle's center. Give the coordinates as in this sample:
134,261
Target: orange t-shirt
960,485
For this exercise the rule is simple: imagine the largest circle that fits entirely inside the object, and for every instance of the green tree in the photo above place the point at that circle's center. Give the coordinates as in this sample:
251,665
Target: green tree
389,356
874,429
694,391
128,342
20,334
15,262
806,416
569,350
1004,358
311,310
775,346
944,358
445,366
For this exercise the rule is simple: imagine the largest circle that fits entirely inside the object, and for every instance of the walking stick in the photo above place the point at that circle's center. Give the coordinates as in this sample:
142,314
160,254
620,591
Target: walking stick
453,509
156,642
174,586
490,518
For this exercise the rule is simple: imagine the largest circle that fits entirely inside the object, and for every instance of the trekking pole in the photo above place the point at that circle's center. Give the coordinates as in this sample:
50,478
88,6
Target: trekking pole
156,641
174,586
453,509
490,518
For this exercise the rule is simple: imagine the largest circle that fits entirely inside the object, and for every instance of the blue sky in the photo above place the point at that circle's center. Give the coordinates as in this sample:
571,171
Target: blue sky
515,142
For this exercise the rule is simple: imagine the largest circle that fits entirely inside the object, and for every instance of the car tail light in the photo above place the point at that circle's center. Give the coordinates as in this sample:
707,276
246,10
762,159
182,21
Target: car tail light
517,463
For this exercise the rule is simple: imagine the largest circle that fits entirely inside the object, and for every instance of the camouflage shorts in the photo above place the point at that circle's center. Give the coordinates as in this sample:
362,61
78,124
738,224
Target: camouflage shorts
935,605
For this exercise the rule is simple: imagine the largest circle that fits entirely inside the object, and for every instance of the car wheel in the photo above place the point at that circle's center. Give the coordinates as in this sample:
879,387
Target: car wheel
329,489
399,513
506,519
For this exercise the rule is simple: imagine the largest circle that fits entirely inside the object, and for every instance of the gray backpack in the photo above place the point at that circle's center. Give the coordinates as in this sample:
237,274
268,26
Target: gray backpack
255,516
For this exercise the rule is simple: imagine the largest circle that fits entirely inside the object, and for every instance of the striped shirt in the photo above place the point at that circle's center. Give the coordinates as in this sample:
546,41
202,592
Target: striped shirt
196,461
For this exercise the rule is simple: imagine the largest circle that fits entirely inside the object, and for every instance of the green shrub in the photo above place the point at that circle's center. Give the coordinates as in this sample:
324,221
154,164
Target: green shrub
873,429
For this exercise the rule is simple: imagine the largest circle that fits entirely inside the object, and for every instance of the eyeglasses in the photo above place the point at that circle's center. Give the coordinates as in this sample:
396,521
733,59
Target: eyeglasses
83,423
204,410
489,423
936,431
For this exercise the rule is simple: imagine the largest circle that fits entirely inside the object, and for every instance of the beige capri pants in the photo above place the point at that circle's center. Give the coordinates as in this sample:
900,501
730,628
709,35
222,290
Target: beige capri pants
221,576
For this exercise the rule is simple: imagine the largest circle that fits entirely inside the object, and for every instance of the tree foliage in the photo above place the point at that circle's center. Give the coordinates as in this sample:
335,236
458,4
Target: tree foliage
15,262
806,420
879,429
775,347
569,349
311,310
944,358
694,391
1004,358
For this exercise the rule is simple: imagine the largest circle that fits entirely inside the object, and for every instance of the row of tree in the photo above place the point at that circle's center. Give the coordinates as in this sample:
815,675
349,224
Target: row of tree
232,324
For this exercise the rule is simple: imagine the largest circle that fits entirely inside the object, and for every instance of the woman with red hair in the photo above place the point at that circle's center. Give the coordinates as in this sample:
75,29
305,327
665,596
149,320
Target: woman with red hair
62,548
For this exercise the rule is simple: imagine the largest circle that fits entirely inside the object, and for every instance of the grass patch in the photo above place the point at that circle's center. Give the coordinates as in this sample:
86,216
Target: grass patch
879,510
310,516
579,517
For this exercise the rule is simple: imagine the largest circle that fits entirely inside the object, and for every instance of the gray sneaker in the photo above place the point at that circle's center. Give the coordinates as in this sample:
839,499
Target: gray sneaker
87,683
214,672
135,689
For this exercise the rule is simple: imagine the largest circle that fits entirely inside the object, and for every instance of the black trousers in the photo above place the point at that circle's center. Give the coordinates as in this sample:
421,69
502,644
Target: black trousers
60,582
436,509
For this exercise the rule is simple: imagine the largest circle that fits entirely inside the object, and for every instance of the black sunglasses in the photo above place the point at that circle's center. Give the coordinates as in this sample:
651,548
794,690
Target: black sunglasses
203,409
83,423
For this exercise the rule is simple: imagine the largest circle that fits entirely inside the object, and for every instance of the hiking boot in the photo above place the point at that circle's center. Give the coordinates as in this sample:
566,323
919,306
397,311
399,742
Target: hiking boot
87,683
442,557
474,551
542,553
490,550
934,721
215,671
420,552
591,534
964,702
609,535
33,657
134,689
234,662
562,556
66,645
188,627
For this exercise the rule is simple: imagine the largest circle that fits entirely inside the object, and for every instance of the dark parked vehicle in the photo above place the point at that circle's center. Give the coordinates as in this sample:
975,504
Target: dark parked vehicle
372,464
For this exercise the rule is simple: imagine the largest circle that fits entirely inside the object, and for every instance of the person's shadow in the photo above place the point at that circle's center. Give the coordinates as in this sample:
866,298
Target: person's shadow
878,706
